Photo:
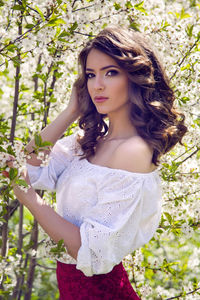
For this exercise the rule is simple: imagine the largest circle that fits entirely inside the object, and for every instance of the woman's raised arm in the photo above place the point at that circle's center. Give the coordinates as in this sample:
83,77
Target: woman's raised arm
55,130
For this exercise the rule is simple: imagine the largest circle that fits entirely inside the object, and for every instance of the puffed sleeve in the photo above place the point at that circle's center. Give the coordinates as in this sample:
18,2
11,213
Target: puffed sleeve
45,178
125,218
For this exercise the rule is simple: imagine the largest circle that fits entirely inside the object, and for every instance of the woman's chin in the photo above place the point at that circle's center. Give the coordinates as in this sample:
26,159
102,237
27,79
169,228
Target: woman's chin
102,111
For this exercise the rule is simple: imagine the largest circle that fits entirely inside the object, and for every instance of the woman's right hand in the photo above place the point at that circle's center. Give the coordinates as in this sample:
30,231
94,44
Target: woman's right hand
73,105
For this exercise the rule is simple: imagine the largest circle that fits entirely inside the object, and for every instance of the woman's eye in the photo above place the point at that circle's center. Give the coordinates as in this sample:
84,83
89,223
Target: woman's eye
89,75
109,73
112,73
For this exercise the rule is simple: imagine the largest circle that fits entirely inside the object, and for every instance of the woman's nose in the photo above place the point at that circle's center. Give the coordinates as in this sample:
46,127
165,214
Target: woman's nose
99,83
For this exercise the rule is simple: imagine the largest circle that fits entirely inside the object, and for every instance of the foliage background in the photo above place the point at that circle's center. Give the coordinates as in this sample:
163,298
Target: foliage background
39,43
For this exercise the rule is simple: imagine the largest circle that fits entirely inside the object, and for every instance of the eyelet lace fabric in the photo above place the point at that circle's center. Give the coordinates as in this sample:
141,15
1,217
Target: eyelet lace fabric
117,211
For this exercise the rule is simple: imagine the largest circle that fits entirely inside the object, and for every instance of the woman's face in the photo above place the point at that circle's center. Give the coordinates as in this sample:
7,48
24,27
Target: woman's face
107,83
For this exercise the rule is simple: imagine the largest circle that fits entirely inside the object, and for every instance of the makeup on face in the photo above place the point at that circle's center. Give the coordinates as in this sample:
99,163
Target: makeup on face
107,83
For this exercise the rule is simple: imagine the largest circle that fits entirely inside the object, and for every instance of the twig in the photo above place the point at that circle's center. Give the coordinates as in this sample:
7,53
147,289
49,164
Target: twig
193,153
16,95
21,36
105,17
188,173
20,3
178,197
32,264
44,267
83,8
78,32
185,56
13,125
176,297
45,95
11,58
35,79
184,153
48,103
21,281
20,230
74,3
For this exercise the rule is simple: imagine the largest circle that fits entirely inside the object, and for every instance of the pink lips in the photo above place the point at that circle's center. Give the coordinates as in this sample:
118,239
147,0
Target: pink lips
100,99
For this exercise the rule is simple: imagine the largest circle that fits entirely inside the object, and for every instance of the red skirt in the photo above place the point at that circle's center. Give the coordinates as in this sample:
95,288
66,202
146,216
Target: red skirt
74,285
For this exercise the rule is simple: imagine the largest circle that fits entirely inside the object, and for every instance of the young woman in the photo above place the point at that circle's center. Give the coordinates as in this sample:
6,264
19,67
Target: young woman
107,183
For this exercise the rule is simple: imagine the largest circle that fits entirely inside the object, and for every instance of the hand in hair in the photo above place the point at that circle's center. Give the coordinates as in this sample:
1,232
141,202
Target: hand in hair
73,105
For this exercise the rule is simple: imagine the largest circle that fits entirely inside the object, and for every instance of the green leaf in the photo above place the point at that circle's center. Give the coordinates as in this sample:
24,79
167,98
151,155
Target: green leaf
134,25
13,173
2,149
56,21
59,248
39,67
117,6
168,216
46,143
21,182
60,243
73,27
63,34
6,62
38,140
159,230
186,67
184,15
18,7
189,29
185,99
16,61
29,26
164,25
128,4
23,87
11,48
28,216
40,13
140,7
197,121
10,150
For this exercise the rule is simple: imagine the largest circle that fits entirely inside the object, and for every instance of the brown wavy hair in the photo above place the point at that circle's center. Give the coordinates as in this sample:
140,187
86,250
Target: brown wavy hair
152,110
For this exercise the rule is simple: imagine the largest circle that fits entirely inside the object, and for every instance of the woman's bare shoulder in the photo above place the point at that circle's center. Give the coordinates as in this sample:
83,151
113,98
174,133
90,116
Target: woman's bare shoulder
133,155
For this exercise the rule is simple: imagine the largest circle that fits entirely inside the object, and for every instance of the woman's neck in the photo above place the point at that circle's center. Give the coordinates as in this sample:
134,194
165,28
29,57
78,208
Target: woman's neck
120,127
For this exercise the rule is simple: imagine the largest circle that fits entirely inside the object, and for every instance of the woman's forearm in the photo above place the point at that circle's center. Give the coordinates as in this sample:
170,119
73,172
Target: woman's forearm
55,130
53,224
52,133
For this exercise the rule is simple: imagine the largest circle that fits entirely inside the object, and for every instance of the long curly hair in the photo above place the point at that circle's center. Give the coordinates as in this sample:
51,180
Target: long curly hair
152,110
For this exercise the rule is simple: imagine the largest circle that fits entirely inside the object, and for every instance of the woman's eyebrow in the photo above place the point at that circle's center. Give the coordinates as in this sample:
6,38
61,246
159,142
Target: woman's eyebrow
104,68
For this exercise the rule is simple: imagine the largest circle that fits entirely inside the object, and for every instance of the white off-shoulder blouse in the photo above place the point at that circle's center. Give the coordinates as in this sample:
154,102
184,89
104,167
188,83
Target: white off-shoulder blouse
117,211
